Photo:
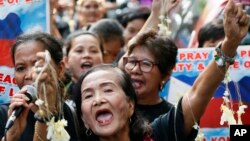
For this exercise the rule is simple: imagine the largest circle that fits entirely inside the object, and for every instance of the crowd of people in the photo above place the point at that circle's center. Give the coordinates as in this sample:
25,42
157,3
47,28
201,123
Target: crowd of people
104,80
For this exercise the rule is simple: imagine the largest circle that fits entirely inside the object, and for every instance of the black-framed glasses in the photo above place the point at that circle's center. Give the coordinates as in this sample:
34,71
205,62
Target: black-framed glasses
145,65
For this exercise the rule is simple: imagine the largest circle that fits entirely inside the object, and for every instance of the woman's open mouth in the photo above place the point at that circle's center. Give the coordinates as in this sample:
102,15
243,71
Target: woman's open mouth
104,117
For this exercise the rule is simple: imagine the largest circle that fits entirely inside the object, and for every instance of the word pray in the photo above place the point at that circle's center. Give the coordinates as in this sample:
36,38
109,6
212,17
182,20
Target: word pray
191,56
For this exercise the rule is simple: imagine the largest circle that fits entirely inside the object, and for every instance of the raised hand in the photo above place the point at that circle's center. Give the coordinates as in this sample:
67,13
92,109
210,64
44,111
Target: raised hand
163,7
236,22
45,77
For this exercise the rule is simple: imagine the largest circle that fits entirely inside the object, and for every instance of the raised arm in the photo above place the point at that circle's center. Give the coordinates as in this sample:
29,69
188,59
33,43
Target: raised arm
236,24
159,7
53,28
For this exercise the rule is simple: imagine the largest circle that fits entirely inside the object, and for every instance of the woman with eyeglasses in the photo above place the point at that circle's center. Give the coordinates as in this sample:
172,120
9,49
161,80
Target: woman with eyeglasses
149,63
150,104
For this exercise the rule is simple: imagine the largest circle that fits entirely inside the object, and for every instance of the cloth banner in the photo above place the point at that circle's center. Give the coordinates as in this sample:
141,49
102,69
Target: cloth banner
17,17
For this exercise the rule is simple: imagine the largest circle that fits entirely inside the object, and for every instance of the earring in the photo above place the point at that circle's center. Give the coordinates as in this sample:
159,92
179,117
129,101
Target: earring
88,132
130,121
162,85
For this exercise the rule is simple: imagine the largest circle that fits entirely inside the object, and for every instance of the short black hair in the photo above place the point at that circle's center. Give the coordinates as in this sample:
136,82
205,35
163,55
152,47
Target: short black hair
140,13
162,47
50,43
108,30
73,35
211,31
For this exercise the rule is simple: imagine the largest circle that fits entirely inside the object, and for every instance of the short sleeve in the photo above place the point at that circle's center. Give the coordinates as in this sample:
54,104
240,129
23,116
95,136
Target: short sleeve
170,126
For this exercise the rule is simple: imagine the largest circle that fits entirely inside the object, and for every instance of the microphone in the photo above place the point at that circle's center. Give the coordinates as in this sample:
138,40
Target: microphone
31,94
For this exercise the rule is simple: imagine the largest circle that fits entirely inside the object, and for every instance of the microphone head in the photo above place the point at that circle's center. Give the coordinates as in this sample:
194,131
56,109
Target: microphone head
31,93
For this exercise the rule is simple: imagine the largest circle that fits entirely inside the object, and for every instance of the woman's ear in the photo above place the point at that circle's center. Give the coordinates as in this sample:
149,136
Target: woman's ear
65,60
165,79
131,108
61,70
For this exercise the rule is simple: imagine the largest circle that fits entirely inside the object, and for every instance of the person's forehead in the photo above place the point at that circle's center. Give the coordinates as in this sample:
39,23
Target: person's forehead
99,2
102,75
142,52
31,44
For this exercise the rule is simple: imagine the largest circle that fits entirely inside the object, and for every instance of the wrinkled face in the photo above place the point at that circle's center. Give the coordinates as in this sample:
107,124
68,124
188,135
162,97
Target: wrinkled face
111,50
25,58
105,107
92,11
132,28
146,84
85,53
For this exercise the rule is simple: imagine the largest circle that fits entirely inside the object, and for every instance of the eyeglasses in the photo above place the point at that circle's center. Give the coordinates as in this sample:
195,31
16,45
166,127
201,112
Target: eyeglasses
145,65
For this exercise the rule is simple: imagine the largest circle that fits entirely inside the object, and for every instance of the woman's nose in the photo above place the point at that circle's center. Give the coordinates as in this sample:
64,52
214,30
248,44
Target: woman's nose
28,74
85,54
136,68
99,100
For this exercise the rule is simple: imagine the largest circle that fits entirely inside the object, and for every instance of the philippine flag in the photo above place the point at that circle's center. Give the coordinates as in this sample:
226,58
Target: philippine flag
10,29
